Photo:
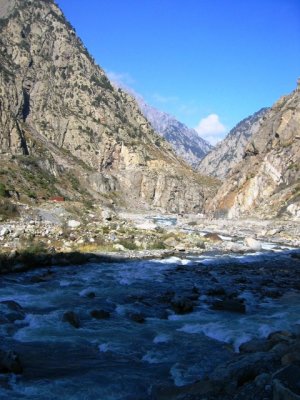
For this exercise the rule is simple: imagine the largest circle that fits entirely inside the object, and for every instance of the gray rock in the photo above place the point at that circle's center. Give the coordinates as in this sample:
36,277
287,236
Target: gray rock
72,318
73,223
253,244
100,314
234,305
10,362
137,317
286,383
4,231
255,345
182,305
244,369
262,380
11,311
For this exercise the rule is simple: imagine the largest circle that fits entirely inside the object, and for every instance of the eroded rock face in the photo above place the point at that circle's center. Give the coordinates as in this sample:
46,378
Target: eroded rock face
266,182
186,141
224,157
57,102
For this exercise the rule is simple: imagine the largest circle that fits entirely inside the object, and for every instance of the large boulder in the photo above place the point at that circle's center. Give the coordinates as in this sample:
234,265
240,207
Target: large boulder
72,318
137,317
181,305
255,345
9,362
252,244
100,314
286,383
72,223
234,305
11,311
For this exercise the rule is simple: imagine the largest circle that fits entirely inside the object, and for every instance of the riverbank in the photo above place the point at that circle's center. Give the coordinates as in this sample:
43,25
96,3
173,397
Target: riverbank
69,233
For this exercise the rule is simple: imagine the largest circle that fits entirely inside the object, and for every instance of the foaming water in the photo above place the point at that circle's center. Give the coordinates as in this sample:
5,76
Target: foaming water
142,339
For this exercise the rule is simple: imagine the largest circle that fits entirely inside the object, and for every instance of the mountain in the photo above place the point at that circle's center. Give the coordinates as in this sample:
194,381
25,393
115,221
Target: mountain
266,183
223,158
186,142
65,130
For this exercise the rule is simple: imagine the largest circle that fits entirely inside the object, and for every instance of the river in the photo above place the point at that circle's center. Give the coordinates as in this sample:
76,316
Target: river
143,343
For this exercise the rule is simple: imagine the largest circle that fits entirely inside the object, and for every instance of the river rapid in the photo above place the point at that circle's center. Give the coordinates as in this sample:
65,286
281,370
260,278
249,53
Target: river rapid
145,340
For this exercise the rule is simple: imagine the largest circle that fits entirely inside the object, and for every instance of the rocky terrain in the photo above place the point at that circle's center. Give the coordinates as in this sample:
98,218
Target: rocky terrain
229,152
64,126
230,319
57,230
186,141
88,185
266,182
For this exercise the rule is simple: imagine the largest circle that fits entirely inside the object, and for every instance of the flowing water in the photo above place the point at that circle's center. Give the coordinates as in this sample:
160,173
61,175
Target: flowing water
120,358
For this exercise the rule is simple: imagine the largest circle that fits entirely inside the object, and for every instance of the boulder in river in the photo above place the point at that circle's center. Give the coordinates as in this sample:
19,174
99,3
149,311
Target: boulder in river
252,244
9,362
181,305
100,314
286,383
255,345
212,236
11,311
137,317
72,318
233,305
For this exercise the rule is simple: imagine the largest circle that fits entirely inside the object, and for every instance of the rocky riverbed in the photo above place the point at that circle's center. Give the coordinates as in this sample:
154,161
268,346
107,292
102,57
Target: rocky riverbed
66,228
207,326
147,306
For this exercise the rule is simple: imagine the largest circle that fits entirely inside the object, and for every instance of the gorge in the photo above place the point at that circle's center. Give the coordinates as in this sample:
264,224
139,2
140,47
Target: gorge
138,261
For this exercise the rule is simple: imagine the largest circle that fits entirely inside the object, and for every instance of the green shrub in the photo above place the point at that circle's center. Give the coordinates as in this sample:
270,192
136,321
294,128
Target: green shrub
128,244
3,190
156,245
8,209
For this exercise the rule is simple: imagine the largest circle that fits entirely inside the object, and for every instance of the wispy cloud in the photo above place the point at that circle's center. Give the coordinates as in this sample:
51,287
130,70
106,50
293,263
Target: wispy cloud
211,128
120,78
164,99
189,109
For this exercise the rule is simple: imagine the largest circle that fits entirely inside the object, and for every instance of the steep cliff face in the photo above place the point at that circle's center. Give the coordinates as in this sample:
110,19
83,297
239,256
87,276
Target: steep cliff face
267,181
223,158
58,106
186,142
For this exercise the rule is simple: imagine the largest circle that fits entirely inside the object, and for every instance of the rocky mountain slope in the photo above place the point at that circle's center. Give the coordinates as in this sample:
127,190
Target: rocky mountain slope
65,130
223,158
186,142
266,182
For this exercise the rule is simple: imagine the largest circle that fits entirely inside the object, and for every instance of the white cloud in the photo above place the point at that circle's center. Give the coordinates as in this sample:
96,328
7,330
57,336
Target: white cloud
211,129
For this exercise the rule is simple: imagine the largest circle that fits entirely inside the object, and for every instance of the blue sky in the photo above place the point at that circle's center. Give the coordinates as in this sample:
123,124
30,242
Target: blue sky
210,63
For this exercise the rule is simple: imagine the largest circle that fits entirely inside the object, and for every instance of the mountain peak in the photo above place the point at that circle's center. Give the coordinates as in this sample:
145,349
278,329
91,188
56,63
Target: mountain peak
61,116
185,141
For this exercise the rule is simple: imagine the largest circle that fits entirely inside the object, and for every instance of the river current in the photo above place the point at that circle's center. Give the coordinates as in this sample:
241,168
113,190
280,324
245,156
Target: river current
122,357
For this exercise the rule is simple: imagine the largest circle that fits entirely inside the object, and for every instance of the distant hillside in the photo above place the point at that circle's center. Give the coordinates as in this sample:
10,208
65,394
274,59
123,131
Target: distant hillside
223,158
266,182
185,141
65,130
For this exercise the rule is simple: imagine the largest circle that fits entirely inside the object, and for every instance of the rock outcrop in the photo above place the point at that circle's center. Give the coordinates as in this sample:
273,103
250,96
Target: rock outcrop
186,141
59,110
224,157
266,182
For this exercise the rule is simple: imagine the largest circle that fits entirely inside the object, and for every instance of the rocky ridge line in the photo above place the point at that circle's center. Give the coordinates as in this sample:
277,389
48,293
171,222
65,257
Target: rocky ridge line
59,108
223,158
266,183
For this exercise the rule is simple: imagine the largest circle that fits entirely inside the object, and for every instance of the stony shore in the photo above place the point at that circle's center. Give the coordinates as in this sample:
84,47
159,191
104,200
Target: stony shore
68,232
